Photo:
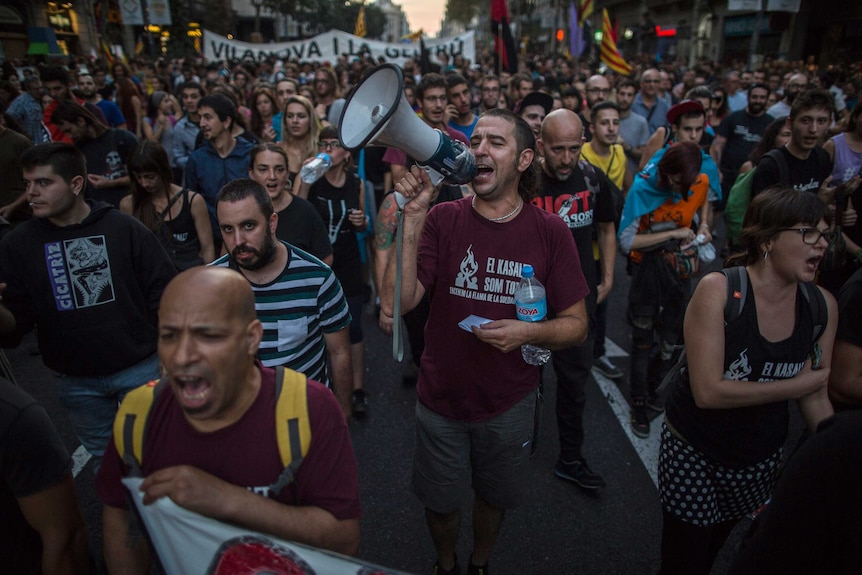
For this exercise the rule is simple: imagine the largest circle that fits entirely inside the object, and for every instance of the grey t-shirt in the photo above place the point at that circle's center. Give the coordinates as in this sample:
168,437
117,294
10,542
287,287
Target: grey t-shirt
635,131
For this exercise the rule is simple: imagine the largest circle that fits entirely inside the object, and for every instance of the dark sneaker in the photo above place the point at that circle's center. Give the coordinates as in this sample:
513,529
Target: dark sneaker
640,418
606,367
455,570
579,473
477,569
360,402
654,402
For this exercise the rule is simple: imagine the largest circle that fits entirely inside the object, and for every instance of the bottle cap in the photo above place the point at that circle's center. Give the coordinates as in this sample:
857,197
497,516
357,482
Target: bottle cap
324,156
527,271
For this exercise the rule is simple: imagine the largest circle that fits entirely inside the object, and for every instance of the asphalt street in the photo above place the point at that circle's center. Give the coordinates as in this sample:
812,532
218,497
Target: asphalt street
559,529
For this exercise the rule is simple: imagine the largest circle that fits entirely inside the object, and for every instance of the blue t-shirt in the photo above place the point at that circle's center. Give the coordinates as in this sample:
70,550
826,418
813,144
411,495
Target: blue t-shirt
112,113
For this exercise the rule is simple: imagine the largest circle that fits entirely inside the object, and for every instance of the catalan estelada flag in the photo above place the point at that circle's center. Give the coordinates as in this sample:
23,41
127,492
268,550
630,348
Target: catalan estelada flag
585,10
359,29
610,54
106,53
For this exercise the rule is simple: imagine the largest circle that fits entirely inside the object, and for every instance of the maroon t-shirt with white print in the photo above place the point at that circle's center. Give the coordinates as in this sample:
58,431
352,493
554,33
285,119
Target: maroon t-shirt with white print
469,265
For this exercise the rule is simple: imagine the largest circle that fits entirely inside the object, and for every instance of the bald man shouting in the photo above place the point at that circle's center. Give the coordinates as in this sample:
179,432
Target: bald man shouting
210,442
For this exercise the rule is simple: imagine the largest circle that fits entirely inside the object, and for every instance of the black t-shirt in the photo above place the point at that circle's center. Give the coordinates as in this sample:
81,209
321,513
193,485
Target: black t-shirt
334,205
107,156
588,134
300,225
804,175
32,459
850,310
813,526
375,167
743,132
583,211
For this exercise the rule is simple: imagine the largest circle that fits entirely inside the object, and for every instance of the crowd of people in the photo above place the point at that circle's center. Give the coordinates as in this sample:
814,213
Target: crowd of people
157,225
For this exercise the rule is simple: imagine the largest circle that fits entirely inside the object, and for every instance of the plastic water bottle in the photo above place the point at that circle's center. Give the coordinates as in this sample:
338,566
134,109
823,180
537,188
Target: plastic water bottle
531,305
706,251
312,171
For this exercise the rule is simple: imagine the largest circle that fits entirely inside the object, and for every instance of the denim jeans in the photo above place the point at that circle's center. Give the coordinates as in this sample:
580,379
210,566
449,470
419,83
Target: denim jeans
92,402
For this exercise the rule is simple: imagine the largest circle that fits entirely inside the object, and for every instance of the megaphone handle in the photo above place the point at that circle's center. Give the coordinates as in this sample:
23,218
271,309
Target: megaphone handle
397,327
435,177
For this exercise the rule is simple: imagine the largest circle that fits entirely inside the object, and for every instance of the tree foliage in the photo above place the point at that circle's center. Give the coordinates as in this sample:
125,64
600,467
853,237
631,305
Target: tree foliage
323,15
463,11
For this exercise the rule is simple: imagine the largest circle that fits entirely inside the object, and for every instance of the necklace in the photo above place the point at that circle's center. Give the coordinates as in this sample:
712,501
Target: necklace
501,218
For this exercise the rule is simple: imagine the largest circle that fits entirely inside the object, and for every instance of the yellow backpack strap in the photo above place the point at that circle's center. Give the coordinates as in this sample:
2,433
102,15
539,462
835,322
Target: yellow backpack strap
293,428
130,425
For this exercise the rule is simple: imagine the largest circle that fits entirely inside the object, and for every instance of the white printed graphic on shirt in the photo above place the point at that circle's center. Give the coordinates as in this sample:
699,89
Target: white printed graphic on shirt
494,289
740,369
467,275
90,270
116,166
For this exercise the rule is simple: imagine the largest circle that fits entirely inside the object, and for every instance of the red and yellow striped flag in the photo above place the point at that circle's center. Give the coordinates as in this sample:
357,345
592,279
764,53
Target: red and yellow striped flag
359,29
610,54
585,10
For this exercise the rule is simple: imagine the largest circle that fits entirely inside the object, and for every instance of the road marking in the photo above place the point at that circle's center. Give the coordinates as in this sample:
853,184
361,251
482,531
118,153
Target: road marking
613,350
647,449
79,460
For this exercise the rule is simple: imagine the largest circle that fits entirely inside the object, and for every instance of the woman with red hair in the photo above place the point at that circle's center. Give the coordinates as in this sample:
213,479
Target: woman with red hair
657,231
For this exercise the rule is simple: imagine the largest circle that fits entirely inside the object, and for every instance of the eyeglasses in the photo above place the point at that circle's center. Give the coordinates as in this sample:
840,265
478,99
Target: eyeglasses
811,236
333,145
650,81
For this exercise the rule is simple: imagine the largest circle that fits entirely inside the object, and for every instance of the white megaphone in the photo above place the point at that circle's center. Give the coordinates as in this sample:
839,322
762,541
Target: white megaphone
378,113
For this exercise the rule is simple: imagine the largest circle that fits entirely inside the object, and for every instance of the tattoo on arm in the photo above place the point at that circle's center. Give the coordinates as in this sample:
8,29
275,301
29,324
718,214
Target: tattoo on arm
385,228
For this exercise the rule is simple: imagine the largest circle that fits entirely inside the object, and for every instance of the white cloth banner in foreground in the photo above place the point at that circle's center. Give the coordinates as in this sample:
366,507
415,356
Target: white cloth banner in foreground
190,544
330,45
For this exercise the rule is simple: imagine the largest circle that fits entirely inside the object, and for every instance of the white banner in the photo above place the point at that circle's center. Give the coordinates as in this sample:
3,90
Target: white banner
133,14
329,45
187,542
783,5
743,5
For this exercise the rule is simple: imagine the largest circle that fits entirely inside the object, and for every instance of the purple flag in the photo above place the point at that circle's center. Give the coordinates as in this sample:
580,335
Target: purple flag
576,34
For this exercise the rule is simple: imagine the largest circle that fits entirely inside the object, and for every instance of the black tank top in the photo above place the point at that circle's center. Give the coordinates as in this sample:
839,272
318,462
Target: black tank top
744,436
180,236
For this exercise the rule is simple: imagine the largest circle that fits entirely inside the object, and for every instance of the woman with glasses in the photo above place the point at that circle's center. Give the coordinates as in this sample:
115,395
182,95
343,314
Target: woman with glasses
719,107
300,129
751,348
339,197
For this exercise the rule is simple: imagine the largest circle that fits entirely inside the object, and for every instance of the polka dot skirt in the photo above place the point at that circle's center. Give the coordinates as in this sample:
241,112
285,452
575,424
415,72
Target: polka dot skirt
702,492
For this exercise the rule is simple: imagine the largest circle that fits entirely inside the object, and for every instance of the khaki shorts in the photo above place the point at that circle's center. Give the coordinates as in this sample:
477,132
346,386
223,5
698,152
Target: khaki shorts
491,455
